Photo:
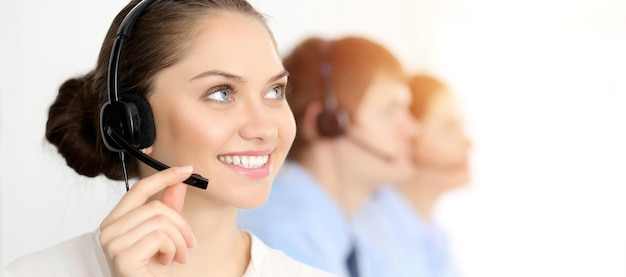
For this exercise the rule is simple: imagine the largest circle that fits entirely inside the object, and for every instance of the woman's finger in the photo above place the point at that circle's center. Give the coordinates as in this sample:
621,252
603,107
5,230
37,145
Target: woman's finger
145,188
157,224
174,196
155,245
129,221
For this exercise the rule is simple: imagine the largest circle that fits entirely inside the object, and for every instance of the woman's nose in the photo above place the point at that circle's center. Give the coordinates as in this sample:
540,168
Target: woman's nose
258,124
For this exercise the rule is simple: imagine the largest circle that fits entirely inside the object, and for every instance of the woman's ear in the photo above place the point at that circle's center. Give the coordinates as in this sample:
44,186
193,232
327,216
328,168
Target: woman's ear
147,150
308,128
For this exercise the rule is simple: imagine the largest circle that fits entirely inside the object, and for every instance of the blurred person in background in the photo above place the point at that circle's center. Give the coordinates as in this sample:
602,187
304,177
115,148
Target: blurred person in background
399,223
351,103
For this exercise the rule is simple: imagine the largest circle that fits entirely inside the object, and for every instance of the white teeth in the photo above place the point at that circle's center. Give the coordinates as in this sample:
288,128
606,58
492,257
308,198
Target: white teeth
245,161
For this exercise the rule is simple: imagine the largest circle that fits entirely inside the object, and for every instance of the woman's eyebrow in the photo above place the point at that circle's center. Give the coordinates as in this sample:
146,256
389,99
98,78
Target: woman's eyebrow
279,76
235,78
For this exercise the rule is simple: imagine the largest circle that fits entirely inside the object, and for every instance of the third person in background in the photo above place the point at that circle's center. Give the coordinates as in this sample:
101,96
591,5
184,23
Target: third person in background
399,222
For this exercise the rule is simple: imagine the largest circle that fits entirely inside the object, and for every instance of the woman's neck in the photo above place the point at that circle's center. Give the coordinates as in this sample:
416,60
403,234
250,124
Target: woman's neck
223,249
422,197
349,191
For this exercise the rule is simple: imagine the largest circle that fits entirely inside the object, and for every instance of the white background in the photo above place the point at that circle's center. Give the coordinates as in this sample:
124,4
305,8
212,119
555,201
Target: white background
543,85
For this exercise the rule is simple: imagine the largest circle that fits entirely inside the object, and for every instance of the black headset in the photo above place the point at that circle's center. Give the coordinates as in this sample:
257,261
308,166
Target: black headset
332,121
126,121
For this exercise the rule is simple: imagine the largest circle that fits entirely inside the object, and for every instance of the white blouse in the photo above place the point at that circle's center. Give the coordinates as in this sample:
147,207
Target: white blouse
83,256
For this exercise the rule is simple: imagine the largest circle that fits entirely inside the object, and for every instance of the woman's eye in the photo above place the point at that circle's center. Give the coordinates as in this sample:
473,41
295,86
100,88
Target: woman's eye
222,94
276,92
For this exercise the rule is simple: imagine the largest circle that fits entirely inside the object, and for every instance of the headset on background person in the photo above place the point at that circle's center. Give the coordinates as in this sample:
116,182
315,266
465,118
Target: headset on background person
126,121
333,122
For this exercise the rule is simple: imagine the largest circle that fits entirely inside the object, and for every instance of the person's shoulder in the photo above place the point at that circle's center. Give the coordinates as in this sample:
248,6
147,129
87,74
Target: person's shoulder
266,261
75,256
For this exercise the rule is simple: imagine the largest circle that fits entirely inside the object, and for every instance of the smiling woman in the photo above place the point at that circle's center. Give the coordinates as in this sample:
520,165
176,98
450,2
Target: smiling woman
214,112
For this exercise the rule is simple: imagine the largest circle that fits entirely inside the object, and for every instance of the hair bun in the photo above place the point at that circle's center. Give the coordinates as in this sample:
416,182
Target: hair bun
73,127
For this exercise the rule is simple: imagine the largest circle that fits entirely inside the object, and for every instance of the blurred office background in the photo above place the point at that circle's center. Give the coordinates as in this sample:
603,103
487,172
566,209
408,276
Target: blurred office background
542,85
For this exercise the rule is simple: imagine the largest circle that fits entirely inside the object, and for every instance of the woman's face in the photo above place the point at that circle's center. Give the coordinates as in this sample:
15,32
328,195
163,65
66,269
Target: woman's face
383,122
442,148
222,109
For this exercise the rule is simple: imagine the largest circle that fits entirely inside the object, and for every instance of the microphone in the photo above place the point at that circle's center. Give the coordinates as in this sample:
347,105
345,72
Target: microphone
195,180
376,152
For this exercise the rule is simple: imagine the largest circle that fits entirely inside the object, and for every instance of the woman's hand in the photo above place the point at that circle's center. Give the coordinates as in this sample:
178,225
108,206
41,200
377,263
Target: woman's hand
143,239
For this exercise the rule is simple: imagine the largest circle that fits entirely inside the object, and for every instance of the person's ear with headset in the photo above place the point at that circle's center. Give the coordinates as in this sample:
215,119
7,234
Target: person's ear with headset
351,103
197,85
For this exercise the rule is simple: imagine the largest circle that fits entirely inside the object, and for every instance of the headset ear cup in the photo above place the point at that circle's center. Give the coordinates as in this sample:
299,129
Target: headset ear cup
332,123
143,130
111,118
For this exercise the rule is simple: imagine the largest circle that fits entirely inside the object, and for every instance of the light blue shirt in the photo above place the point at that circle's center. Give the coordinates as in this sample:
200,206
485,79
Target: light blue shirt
304,222
404,245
